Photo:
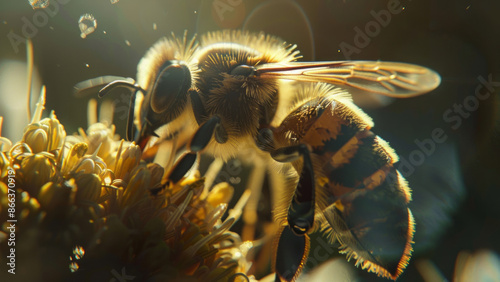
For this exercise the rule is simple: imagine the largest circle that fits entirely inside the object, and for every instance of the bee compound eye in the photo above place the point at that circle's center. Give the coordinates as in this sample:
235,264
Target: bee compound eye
171,86
243,70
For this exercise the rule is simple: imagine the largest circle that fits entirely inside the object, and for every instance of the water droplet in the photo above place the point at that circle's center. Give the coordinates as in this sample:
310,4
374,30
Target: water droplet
154,26
196,12
114,1
127,42
87,24
104,31
87,65
39,4
73,266
78,252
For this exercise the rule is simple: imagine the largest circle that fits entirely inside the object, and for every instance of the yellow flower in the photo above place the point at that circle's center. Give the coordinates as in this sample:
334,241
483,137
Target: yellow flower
92,194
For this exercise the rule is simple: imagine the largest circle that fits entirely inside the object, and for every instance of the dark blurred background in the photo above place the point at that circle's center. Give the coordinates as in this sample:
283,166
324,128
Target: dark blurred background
455,183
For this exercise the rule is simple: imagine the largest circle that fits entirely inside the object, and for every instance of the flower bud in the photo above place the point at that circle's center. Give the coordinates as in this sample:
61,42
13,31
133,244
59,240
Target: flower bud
88,188
137,186
55,132
46,135
35,136
99,134
5,144
91,164
4,165
36,171
127,161
157,172
55,198
73,157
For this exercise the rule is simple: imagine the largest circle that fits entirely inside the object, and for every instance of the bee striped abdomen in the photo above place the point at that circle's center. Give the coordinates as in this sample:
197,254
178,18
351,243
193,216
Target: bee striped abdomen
356,161
367,199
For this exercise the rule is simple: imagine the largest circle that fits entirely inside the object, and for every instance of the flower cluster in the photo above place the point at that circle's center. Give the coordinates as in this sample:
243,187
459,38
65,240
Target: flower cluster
88,208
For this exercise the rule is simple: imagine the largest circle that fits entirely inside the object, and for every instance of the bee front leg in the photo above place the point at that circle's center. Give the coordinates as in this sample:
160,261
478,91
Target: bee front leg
198,108
293,245
200,114
181,167
204,133
198,142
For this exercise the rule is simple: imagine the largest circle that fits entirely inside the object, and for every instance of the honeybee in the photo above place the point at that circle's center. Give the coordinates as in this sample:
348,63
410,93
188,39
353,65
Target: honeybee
227,92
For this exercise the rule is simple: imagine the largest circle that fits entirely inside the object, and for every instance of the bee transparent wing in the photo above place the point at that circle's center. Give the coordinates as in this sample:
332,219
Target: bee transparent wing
399,80
92,86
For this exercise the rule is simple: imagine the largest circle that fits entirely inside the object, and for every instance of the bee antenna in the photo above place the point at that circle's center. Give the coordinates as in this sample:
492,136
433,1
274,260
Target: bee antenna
131,85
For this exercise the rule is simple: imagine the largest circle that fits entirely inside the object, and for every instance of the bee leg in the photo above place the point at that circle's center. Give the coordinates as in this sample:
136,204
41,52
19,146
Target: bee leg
203,135
265,140
125,83
293,244
182,166
200,114
198,108
291,254
301,211
197,143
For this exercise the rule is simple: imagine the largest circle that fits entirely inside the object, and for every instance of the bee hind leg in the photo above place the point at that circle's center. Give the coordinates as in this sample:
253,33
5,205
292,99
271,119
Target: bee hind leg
293,245
301,211
291,254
